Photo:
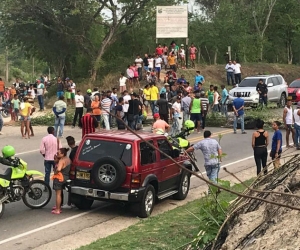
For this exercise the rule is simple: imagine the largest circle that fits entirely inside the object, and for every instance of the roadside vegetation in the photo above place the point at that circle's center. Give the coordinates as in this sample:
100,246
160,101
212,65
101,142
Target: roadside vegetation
195,223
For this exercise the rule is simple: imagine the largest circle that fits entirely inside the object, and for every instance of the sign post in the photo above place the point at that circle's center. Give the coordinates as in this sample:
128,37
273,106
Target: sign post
172,22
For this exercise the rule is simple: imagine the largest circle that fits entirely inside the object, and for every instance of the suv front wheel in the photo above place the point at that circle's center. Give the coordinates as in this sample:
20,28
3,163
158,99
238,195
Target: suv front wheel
146,205
282,101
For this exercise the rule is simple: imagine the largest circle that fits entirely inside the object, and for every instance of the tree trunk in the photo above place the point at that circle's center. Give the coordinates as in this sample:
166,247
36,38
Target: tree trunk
208,55
289,53
104,45
216,56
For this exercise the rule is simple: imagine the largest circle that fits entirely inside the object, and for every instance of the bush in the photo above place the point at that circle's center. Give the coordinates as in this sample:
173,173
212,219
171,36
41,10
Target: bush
215,120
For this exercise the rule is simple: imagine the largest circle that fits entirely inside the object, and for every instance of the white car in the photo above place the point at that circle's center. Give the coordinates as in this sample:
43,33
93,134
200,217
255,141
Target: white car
277,90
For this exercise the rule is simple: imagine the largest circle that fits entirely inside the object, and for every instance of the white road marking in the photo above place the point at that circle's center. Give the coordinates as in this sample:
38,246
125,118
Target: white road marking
49,225
238,161
28,152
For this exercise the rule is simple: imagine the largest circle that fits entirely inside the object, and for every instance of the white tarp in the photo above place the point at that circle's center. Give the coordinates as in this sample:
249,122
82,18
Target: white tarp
172,21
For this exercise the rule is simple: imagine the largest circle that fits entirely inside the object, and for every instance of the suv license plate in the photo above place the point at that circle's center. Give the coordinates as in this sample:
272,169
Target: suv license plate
82,175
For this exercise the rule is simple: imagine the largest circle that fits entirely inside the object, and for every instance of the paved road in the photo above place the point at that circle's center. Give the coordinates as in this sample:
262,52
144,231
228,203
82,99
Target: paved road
23,228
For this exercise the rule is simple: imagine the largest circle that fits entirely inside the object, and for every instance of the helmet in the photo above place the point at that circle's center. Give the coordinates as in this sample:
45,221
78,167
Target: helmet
8,151
189,124
160,132
89,91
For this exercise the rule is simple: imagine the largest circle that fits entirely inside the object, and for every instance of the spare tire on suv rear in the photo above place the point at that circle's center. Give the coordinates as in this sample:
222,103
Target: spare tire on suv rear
109,173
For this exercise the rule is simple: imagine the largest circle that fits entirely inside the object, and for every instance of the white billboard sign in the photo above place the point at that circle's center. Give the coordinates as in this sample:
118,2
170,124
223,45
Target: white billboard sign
172,21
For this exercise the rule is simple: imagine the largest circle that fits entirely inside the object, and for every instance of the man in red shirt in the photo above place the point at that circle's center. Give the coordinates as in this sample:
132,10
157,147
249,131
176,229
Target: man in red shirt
193,50
89,122
159,50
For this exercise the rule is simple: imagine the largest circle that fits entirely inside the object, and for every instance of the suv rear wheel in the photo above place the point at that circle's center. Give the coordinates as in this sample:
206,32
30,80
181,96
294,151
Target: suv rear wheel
109,173
146,205
81,202
184,186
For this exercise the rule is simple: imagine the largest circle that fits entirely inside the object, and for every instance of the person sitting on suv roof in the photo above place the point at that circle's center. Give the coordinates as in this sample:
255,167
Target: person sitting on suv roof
262,89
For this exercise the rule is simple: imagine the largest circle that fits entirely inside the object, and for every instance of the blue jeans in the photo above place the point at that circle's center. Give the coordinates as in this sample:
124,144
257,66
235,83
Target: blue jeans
186,116
230,76
224,110
241,117
48,168
41,101
152,106
297,134
59,122
212,172
1,122
132,124
175,129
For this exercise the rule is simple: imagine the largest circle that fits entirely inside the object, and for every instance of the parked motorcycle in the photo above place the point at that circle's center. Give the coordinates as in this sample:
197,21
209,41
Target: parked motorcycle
18,183
4,109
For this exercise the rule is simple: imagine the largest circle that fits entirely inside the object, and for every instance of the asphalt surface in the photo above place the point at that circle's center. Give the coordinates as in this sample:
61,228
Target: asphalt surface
23,228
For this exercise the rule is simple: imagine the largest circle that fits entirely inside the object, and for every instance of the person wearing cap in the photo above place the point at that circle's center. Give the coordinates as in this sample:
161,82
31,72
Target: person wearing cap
212,153
159,124
163,90
87,99
296,115
40,91
60,87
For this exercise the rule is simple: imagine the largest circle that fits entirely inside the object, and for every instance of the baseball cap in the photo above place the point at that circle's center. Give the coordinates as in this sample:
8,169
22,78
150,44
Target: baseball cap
89,91
167,84
156,115
298,104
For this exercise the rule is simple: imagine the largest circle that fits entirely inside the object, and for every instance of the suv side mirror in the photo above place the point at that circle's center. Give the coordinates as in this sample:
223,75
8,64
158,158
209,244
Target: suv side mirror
175,153
270,84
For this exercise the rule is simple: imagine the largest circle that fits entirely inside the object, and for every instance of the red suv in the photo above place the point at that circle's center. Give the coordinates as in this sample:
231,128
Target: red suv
119,166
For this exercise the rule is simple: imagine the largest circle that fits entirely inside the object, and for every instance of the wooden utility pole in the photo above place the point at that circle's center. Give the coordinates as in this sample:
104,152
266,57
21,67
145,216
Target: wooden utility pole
6,65
33,81
229,53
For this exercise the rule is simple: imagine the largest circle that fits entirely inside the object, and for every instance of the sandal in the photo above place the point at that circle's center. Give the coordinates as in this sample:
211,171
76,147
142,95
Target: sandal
55,212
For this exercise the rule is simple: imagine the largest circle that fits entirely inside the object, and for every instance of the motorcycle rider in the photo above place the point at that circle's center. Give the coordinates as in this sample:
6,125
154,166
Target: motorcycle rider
8,159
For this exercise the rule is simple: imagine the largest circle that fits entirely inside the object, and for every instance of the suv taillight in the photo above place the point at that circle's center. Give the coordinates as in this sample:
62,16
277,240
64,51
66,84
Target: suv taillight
72,172
135,180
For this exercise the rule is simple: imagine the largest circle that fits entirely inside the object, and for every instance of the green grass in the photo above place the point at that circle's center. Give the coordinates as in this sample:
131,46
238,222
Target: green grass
169,230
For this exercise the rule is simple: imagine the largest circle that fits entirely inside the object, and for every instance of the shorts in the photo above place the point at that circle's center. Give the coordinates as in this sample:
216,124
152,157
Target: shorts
72,95
196,117
289,127
59,93
146,103
58,185
98,118
68,95
182,56
273,153
22,118
16,111
146,68
157,69
193,56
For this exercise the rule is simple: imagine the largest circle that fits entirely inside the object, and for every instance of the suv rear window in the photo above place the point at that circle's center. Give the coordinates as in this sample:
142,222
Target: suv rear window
93,150
250,82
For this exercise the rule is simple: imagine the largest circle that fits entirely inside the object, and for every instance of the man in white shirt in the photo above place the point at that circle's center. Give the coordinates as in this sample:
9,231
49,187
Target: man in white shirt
230,72
73,89
237,72
122,82
139,63
96,91
79,101
40,94
158,62
126,98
